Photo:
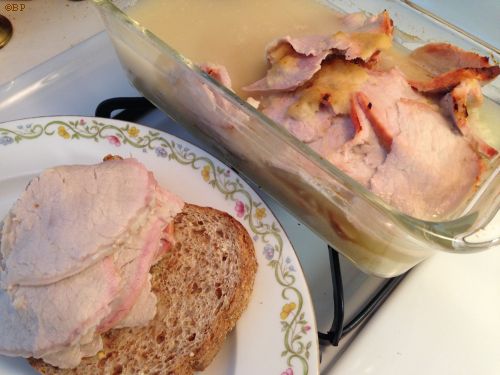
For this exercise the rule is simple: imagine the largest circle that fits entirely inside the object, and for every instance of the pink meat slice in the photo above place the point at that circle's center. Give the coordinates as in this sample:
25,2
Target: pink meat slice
380,23
134,276
39,320
460,104
137,256
59,208
217,72
96,298
360,156
353,21
315,45
308,112
307,129
451,65
439,58
70,357
295,60
144,309
213,102
348,142
340,131
287,76
430,168
378,97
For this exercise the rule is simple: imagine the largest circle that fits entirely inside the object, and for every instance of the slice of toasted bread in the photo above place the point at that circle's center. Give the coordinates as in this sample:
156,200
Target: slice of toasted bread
203,285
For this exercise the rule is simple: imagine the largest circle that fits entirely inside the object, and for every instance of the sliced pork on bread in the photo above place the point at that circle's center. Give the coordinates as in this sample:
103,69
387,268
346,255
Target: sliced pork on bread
202,285
75,254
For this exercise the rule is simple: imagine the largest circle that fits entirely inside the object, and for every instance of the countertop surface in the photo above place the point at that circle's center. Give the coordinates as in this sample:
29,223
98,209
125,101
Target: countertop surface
43,29
445,315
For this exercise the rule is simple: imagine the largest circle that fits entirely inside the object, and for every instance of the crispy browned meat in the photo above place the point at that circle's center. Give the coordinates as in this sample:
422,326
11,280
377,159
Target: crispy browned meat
112,157
361,155
382,132
439,58
378,97
449,66
460,104
447,81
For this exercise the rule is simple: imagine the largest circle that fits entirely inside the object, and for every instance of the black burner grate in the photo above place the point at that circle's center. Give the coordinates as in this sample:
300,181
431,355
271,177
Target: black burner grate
338,329
133,108
129,109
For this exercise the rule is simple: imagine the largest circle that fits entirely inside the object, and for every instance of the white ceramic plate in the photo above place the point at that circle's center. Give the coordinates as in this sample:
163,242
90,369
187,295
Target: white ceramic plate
277,333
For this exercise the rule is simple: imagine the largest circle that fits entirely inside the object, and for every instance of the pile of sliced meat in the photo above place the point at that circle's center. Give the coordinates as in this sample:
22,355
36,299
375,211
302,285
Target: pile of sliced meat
410,142
76,251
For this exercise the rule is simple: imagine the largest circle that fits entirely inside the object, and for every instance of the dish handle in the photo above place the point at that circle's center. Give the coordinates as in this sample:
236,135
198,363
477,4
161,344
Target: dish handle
482,238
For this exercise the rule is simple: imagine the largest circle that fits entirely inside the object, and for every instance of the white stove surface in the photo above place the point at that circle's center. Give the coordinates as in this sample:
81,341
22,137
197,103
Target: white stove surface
443,318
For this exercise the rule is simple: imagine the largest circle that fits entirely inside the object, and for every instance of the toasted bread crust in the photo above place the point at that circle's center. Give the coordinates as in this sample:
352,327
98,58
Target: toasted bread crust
203,285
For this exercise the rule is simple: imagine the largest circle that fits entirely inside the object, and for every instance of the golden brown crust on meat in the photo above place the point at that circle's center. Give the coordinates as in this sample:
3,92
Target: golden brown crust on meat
112,157
387,24
203,286
380,130
440,58
447,81
459,104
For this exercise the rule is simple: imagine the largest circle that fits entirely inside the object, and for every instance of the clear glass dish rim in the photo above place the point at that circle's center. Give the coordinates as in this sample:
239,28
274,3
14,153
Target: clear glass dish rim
425,226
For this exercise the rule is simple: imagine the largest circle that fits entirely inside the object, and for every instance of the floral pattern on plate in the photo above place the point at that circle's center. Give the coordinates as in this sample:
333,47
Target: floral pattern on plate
295,326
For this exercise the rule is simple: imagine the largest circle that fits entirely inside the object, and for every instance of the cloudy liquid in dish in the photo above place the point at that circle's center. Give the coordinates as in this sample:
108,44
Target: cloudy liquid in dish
488,123
233,33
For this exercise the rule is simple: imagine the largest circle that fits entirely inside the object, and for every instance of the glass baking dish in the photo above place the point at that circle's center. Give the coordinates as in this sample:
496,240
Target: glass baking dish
377,238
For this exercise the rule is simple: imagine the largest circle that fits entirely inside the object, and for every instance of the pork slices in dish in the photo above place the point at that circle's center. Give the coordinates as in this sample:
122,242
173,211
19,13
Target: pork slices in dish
307,128
293,61
430,168
450,66
94,291
340,131
309,112
347,98
360,156
439,58
217,72
447,81
378,97
289,68
332,87
393,140
346,140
